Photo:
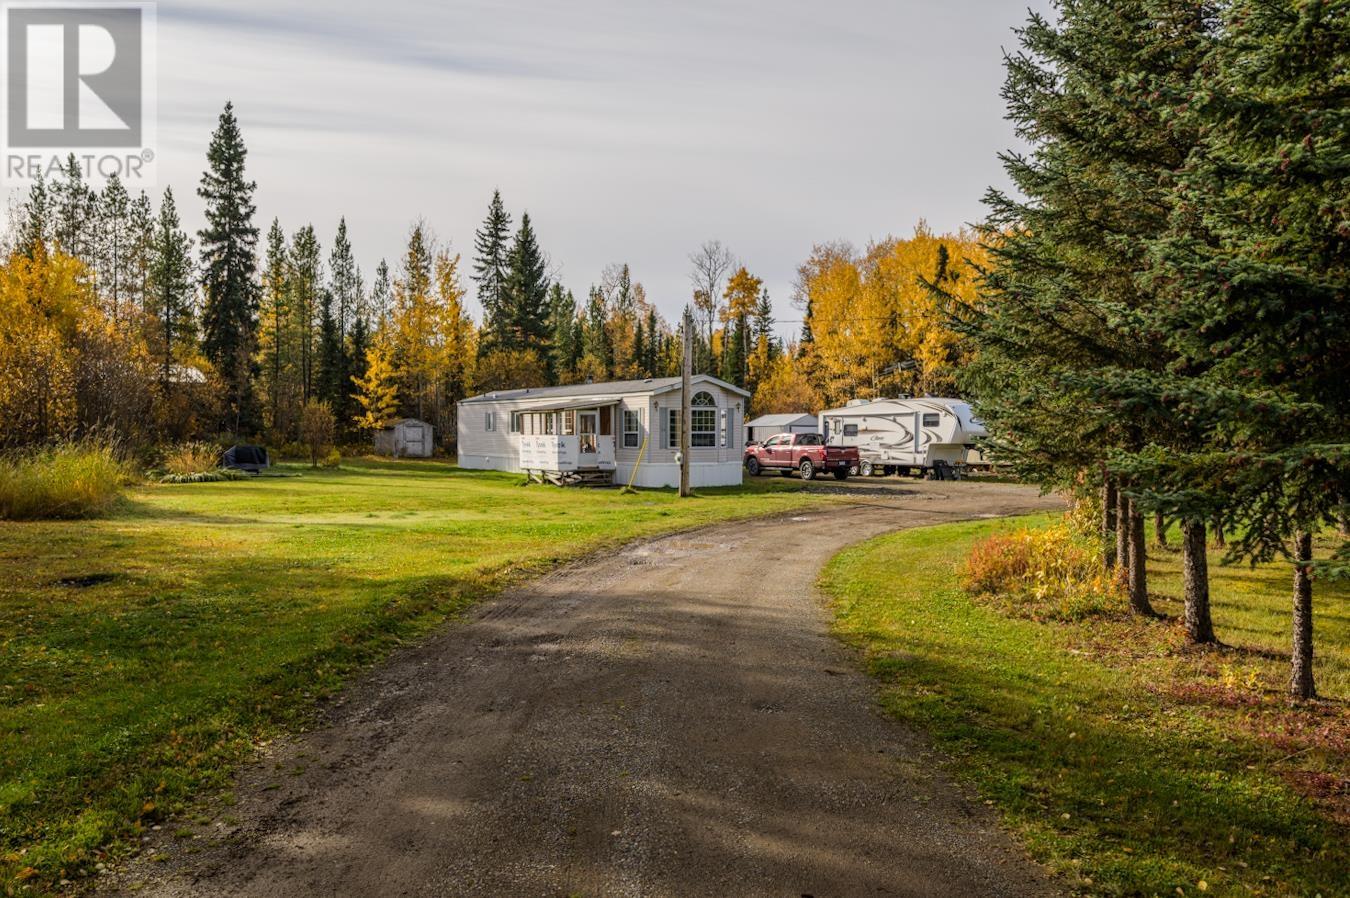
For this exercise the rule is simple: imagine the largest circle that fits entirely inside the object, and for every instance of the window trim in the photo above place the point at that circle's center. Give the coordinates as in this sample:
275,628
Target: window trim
708,431
636,431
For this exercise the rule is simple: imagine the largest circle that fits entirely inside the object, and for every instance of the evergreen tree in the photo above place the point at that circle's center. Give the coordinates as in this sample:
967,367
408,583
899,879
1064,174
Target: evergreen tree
525,298
115,249
141,222
344,278
381,295
171,279
1253,273
74,204
305,278
35,220
277,339
563,349
491,269
596,351
228,260
1062,335
331,366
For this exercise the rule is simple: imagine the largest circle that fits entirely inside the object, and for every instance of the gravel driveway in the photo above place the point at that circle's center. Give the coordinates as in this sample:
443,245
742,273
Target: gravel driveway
670,720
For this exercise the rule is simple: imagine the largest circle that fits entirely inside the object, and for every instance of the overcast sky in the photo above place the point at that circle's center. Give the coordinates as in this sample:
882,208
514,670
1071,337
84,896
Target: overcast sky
630,131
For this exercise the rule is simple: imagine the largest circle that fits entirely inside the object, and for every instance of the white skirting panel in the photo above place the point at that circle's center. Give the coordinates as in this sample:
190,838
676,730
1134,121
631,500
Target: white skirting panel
657,476
487,462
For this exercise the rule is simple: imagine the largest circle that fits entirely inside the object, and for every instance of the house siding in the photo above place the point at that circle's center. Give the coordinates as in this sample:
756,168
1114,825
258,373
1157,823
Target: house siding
719,465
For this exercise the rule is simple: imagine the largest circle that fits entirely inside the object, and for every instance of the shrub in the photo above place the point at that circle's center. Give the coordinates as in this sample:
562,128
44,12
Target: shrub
1049,572
68,481
332,459
191,458
317,427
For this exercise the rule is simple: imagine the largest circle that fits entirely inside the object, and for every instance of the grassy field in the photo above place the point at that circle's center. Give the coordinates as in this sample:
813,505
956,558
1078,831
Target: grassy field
143,654
1129,764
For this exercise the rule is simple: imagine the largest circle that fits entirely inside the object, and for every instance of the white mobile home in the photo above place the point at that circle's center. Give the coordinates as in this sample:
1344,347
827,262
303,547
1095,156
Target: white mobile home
597,429
892,434
765,426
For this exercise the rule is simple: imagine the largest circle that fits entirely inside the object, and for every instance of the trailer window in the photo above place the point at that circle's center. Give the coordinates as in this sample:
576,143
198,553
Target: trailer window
632,429
703,428
488,422
930,419
850,430
515,421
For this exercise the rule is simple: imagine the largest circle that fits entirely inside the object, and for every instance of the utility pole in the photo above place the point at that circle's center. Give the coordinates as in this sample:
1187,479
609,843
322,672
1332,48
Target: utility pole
686,375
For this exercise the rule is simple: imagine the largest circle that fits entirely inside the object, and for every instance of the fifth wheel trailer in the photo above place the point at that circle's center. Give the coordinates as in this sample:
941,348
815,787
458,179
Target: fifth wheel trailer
896,434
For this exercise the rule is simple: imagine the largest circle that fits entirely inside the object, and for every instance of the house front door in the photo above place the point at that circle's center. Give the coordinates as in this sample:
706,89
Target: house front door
588,429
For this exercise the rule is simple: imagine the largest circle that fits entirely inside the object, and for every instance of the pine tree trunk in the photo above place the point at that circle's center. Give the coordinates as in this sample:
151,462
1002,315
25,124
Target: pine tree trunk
1219,541
1159,530
1138,549
1195,578
1109,525
1301,684
1123,534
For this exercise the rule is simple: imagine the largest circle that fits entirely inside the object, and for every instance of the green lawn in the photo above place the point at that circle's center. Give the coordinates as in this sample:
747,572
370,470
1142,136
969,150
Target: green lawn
1129,764
143,654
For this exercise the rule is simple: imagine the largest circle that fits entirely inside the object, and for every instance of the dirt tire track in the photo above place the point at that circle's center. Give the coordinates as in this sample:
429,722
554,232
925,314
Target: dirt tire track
670,720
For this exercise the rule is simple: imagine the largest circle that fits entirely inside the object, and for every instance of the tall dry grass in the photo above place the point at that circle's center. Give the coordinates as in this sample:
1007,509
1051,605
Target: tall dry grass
72,480
191,458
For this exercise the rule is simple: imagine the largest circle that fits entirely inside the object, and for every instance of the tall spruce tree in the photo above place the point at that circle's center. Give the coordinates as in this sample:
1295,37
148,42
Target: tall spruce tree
1065,351
115,249
229,263
305,279
344,279
525,298
170,299
1254,273
491,269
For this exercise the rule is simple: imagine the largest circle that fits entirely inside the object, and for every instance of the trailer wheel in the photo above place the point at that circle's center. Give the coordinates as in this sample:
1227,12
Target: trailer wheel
864,468
752,466
888,470
808,470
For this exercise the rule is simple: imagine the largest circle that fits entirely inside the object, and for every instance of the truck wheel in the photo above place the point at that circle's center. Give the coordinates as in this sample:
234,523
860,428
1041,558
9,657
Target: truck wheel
864,468
841,474
808,470
752,466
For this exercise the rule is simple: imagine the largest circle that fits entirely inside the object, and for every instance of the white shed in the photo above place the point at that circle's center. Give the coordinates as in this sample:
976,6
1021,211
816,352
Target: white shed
766,426
405,438
605,431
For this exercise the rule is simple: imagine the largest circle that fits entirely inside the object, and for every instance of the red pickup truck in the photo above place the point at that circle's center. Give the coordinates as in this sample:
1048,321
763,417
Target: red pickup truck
805,453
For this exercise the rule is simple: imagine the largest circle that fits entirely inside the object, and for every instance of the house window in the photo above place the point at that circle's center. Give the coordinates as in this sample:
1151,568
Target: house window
703,421
930,419
515,422
850,430
632,429
703,428
488,422
548,423
569,426
672,428
722,431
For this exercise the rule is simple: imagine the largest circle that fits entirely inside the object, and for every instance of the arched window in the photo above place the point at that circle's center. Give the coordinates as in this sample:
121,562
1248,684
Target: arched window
703,421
